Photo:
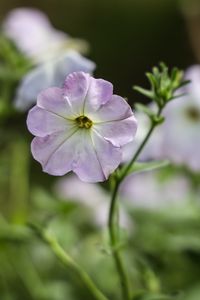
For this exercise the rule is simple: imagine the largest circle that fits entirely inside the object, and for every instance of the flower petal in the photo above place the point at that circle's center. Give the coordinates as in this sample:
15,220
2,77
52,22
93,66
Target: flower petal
108,155
31,85
86,93
87,165
55,152
41,122
99,92
51,73
75,90
29,28
52,100
115,109
118,133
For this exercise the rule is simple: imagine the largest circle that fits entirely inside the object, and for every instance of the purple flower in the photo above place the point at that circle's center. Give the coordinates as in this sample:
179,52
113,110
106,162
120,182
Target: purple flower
81,128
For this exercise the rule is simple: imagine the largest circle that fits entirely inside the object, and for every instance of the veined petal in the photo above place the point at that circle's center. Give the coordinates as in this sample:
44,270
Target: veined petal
108,155
55,152
85,93
81,128
71,62
48,74
87,165
99,92
118,133
41,122
75,90
114,110
52,99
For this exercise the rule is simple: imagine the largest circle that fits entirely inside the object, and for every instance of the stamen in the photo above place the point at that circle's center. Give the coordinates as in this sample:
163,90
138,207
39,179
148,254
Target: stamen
84,122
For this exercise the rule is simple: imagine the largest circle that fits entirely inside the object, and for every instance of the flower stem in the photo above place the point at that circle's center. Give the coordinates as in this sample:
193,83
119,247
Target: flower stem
140,148
69,263
113,223
113,228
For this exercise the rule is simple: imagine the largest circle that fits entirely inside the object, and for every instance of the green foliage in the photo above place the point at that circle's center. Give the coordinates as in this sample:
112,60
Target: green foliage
145,166
163,85
13,66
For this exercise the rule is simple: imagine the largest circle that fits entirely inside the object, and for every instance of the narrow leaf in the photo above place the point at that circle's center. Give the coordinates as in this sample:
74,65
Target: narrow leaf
147,166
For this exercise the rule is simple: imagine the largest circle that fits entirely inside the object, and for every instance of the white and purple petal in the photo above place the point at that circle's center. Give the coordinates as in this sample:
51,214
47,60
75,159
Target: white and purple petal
48,74
55,152
41,122
85,93
61,145
96,158
99,93
119,132
52,100
113,110
75,90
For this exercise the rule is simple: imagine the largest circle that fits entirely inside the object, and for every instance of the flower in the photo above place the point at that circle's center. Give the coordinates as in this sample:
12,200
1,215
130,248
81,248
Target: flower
163,192
31,30
181,142
48,74
53,53
177,139
153,148
93,196
81,128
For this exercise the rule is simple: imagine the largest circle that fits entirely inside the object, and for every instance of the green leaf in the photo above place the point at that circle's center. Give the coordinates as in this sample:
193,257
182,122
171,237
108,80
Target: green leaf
144,92
153,79
147,166
158,120
145,109
183,83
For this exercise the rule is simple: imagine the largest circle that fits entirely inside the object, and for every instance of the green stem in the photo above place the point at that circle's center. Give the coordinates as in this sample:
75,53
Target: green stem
140,148
113,228
113,222
69,263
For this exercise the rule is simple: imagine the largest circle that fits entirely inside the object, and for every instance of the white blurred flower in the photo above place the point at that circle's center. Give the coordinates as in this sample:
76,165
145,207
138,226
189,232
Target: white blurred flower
181,131
50,73
32,32
153,148
149,190
54,54
178,138
90,195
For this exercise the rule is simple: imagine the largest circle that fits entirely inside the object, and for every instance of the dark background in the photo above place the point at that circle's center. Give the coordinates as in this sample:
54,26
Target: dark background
127,37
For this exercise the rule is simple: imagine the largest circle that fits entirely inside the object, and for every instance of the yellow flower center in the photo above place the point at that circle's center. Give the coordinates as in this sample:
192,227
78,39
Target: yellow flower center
83,122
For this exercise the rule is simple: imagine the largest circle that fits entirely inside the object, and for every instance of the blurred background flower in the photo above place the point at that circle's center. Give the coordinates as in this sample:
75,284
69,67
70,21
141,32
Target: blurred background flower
32,32
177,139
55,53
50,73
160,192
